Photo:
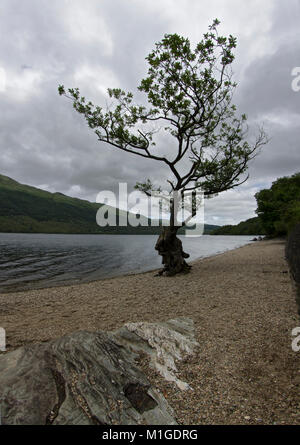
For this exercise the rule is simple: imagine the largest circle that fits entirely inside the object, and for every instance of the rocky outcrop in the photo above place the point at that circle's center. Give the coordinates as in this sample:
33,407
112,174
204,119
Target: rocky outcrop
93,377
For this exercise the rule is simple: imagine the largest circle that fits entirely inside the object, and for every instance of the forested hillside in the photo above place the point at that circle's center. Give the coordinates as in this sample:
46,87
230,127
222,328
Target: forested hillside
31,210
252,226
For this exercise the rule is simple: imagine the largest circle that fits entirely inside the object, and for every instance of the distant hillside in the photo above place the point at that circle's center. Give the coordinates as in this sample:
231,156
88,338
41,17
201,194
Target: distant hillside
28,209
252,226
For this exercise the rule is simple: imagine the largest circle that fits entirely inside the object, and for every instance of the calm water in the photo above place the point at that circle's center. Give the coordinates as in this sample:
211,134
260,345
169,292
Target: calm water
39,260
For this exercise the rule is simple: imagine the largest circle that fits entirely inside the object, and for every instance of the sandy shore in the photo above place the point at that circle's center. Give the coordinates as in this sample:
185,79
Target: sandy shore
244,309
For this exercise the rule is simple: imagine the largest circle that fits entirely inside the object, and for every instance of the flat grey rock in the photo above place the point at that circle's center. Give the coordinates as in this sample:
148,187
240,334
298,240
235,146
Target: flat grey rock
92,377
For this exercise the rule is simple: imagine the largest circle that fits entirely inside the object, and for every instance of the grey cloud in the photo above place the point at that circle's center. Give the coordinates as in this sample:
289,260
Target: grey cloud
94,45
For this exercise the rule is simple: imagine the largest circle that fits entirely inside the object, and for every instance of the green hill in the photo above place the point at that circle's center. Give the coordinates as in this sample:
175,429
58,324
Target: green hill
252,226
28,209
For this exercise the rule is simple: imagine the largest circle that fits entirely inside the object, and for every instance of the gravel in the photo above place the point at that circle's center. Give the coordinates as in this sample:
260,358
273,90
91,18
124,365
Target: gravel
243,306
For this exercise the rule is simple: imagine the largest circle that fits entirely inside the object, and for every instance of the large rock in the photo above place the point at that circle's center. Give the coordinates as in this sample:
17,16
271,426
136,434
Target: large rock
92,378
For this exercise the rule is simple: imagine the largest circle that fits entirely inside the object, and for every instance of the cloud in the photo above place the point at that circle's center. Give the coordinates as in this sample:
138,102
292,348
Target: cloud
95,77
231,207
96,45
21,84
86,25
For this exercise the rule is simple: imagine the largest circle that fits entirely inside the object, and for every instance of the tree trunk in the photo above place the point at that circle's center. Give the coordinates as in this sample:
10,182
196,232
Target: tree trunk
173,256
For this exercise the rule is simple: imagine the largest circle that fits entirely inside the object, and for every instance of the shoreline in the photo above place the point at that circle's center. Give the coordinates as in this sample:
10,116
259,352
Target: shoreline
110,277
32,295
244,309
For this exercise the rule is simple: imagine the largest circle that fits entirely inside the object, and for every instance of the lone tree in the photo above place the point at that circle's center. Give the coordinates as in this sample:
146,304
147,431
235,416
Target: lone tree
189,95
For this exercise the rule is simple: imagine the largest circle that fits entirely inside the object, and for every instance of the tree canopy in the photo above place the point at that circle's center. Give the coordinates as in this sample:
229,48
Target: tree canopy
189,93
279,207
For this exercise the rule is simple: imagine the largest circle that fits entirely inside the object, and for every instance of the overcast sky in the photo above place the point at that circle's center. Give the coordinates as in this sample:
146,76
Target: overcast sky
96,44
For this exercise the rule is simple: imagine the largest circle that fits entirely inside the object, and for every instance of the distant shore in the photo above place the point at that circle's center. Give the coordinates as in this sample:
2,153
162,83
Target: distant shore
244,309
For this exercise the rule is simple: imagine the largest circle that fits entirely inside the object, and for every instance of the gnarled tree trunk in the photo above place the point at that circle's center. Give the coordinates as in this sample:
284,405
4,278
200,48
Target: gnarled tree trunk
173,256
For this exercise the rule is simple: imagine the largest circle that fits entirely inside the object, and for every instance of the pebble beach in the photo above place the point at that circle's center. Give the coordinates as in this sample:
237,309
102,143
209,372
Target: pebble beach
243,306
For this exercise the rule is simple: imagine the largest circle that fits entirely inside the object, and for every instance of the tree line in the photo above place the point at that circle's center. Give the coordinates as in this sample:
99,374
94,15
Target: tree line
278,207
278,210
